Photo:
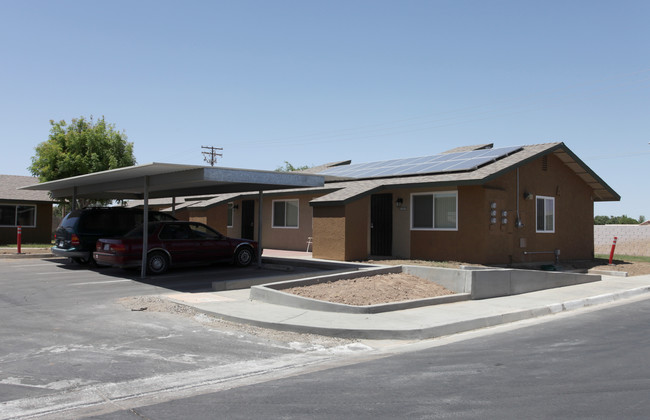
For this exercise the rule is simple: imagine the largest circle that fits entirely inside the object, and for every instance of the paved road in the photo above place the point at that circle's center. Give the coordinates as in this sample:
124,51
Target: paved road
71,339
587,364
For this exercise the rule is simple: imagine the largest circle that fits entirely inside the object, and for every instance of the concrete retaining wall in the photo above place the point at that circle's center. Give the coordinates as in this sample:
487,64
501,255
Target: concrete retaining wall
632,239
490,282
472,283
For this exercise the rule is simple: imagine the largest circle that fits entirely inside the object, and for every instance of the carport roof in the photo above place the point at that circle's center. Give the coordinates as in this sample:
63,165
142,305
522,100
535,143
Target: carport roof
172,180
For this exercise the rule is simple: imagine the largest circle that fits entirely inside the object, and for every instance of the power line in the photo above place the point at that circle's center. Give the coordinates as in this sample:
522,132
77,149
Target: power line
211,155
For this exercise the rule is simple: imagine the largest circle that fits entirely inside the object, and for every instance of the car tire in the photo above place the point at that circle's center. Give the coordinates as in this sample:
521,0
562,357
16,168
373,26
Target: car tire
83,260
157,262
244,256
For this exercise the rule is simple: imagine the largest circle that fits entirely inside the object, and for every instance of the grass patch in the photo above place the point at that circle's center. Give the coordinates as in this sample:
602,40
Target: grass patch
630,258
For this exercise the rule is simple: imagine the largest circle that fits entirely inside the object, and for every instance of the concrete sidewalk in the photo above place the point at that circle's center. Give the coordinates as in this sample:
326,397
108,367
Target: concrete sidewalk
417,323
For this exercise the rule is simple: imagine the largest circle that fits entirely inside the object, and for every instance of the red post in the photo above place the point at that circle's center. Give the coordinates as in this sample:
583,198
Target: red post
611,254
19,238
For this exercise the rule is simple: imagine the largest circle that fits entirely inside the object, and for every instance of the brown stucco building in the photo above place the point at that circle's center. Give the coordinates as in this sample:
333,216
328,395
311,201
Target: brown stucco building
495,206
32,210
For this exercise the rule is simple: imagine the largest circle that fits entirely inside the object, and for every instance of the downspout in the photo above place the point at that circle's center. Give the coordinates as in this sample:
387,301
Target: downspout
518,222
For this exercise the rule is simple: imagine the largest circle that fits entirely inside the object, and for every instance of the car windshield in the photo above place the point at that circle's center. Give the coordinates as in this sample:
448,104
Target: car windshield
71,219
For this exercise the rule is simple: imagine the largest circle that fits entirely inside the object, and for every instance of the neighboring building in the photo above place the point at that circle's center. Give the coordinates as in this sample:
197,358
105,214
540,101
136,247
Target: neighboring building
32,210
475,204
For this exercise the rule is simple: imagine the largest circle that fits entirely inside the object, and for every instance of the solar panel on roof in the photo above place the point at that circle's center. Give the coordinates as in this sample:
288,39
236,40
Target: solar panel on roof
448,162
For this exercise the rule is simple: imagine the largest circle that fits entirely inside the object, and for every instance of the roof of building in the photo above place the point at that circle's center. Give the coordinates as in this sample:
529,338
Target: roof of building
338,191
601,191
9,185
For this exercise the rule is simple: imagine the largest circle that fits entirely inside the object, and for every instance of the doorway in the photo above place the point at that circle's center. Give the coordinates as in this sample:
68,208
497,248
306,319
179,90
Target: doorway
248,219
381,224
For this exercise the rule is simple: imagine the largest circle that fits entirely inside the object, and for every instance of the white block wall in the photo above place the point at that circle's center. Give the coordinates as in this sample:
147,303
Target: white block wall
632,239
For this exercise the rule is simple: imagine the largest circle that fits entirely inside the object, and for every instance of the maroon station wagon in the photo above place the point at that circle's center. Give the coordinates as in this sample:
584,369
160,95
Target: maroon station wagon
174,243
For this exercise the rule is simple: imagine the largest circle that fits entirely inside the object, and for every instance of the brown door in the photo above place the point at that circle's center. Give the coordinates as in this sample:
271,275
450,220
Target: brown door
381,224
248,219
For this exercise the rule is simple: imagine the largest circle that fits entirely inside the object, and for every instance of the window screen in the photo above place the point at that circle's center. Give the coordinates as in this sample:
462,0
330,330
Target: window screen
434,211
285,213
545,214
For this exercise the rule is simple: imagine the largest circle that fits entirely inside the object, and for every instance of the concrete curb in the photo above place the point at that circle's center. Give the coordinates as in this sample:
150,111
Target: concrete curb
24,255
436,330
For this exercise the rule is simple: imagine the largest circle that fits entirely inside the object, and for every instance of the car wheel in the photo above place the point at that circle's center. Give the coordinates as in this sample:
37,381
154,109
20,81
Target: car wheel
244,256
157,262
83,260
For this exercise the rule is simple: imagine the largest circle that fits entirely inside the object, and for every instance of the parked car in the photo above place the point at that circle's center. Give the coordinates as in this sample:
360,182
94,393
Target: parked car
172,244
79,231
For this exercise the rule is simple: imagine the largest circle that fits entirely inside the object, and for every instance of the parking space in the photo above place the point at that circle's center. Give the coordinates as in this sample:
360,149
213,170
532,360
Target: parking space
193,279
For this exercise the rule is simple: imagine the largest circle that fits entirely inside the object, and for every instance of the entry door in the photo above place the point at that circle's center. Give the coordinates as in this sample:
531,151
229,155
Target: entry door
381,224
248,219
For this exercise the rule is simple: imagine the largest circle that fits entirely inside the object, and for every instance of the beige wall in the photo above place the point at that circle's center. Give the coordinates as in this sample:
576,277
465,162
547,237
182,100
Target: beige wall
631,239
234,231
294,239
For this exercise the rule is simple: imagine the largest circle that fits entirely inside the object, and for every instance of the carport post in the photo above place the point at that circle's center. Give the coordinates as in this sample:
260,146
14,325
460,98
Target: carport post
259,232
73,204
145,228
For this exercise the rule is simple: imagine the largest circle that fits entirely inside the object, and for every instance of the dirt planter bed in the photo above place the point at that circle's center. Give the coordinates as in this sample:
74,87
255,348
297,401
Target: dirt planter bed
287,293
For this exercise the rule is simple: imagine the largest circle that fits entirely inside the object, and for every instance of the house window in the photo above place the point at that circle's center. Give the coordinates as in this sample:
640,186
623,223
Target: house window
546,214
285,213
434,211
17,215
231,211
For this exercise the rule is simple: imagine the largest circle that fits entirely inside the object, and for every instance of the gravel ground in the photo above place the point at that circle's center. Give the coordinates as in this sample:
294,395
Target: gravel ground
160,304
372,290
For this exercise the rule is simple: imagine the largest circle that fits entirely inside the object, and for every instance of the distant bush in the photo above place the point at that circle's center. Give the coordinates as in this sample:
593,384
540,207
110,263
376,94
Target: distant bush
618,220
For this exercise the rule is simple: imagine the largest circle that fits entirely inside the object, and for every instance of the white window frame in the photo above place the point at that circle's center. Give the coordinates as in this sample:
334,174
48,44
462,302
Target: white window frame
546,228
16,214
433,214
293,200
231,215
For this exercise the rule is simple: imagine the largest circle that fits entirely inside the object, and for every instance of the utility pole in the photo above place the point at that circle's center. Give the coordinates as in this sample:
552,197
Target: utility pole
211,156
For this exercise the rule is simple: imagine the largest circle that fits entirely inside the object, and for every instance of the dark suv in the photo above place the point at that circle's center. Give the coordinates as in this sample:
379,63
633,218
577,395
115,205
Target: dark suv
78,232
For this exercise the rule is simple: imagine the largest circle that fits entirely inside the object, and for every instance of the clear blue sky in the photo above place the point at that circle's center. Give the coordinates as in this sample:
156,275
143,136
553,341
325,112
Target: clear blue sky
311,82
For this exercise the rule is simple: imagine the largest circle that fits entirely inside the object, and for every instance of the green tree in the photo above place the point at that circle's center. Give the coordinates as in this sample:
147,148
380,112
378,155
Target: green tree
617,220
84,146
601,220
290,168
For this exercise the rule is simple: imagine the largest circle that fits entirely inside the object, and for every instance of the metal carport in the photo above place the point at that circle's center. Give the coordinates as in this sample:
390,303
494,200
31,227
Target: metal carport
157,180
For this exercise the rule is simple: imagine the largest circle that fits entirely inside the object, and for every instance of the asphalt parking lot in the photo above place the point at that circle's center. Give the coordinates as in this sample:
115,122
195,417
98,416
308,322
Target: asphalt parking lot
185,279
68,337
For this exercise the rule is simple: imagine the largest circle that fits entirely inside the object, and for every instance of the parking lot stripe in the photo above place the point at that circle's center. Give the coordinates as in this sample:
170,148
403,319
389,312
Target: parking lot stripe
101,282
